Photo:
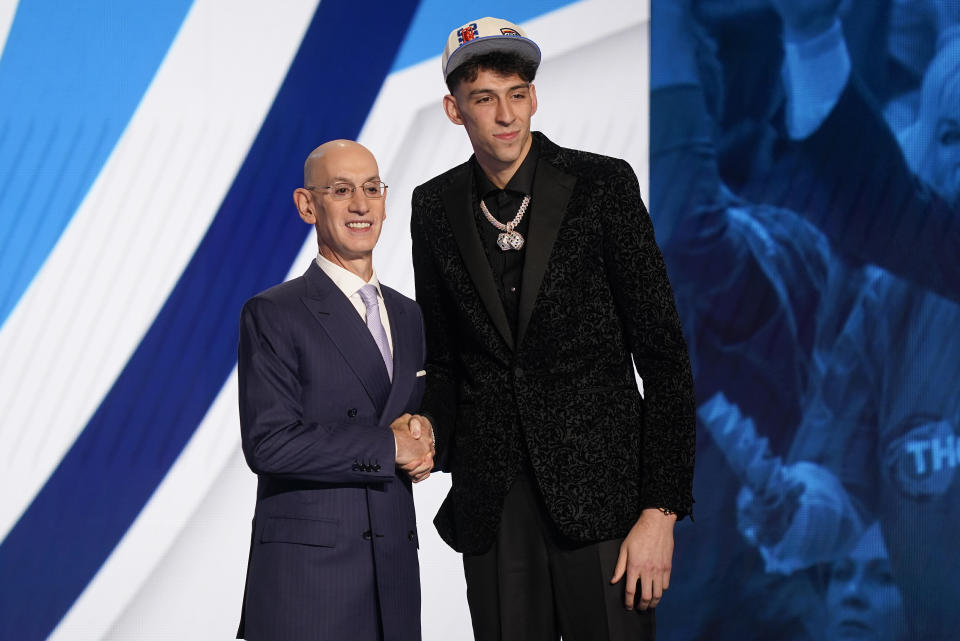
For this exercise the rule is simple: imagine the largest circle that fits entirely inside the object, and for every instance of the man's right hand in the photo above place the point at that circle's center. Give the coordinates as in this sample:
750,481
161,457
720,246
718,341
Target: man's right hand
414,452
421,425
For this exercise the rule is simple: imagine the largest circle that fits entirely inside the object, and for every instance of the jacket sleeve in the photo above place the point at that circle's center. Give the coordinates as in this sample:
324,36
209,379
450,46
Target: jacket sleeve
276,439
853,182
645,304
440,397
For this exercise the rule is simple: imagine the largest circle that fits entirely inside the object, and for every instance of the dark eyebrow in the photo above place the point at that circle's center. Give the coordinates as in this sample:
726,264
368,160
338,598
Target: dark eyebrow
525,85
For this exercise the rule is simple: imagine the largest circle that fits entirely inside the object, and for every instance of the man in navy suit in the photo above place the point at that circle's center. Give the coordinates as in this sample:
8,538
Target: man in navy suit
330,366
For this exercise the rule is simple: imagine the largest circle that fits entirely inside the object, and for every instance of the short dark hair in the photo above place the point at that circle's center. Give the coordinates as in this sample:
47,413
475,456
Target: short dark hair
504,63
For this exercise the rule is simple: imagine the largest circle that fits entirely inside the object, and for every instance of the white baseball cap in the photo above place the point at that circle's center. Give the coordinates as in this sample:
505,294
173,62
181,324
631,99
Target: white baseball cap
485,35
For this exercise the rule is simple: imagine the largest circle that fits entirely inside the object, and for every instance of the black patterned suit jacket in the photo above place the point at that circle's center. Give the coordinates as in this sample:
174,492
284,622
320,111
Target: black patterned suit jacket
562,392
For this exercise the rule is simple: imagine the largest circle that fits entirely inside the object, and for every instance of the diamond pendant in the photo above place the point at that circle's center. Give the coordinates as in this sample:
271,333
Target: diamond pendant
510,240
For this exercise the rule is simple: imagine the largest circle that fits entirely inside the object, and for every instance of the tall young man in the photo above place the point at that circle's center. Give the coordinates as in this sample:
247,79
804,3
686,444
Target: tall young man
541,284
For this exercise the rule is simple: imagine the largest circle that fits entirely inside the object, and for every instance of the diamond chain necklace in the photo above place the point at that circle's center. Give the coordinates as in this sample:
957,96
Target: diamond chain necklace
510,238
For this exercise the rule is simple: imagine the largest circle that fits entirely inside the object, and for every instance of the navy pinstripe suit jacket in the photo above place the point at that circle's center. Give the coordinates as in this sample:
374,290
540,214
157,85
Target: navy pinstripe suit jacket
333,553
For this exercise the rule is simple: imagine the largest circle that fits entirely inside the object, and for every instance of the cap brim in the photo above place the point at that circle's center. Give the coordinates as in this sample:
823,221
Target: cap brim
516,44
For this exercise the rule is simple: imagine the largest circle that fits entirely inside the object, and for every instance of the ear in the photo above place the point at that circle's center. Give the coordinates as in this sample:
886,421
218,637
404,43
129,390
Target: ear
533,100
452,109
305,205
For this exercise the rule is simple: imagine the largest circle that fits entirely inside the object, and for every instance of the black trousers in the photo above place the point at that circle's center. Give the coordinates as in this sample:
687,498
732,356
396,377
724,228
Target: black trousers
533,585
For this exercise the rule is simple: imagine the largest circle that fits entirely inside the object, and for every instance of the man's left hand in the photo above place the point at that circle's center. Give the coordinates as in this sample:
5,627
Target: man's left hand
645,557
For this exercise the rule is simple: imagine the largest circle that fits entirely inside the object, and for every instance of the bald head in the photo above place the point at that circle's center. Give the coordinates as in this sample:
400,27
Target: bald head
347,217
324,159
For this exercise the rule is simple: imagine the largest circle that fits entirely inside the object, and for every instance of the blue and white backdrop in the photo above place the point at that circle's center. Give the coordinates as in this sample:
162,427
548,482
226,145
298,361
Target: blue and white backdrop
148,151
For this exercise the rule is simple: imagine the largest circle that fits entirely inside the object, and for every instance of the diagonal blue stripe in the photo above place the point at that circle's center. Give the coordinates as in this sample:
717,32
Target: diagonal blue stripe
164,391
71,76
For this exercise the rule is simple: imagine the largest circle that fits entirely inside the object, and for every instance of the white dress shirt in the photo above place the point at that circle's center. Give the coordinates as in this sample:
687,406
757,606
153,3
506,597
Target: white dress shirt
350,284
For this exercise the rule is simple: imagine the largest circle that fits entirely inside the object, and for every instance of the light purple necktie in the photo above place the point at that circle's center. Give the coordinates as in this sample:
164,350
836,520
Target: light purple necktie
369,295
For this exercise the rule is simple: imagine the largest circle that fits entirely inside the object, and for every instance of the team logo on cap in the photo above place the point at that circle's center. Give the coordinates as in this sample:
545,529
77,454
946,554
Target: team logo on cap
467,33
507,31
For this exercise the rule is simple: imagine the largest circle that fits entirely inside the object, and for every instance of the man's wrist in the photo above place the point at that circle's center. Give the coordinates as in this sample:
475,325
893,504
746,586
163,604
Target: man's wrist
662,511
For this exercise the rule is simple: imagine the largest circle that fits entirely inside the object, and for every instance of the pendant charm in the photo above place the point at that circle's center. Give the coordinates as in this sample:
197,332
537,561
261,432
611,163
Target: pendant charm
510,240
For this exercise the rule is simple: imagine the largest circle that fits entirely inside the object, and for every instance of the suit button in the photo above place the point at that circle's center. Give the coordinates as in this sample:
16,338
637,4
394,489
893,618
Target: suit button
376,468
411,535
352,412
367,535
356,467
518,372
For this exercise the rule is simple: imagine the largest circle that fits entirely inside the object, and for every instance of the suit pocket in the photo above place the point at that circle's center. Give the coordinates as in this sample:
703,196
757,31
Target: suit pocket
318,532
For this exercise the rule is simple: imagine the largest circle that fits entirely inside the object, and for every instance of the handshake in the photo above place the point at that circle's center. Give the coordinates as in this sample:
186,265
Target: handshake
415,448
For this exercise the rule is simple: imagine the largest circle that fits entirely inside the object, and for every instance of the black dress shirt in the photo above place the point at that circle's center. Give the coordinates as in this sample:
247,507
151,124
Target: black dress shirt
503,204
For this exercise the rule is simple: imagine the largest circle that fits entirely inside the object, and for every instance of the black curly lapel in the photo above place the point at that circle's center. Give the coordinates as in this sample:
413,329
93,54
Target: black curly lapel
561,393
457,201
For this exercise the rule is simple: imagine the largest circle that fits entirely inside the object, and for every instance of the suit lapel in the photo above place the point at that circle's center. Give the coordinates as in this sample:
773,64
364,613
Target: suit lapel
458,202
404,358
346,329
551,193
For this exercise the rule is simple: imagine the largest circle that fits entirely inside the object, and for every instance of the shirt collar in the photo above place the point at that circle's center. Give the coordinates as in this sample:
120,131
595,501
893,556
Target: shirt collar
522,180
345,280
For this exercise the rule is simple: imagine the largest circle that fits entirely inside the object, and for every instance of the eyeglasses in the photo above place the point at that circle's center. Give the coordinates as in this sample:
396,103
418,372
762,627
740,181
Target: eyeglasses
344,191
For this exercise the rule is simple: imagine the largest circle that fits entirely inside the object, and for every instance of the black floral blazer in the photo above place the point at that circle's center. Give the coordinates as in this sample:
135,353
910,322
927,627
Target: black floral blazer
594,292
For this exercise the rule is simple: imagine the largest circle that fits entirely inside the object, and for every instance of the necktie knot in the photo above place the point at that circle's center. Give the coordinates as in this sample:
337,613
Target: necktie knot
368,294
